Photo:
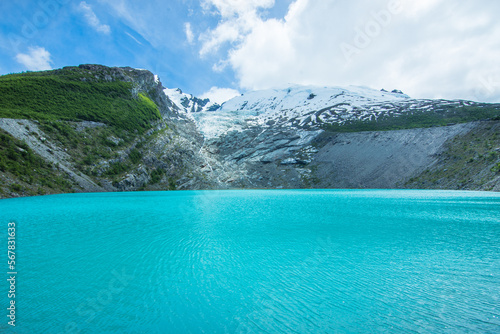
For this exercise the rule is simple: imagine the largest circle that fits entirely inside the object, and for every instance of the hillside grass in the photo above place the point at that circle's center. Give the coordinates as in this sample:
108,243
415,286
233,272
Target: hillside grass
33,175
469,161
420,119
74,95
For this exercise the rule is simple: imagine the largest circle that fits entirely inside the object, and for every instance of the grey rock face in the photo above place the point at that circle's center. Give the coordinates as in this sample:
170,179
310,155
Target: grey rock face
379,159
134,181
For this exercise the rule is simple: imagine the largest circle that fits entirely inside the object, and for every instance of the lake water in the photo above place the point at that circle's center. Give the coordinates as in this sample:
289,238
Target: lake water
308,261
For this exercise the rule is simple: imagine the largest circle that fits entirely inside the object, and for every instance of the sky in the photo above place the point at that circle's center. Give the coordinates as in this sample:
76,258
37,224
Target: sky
220,48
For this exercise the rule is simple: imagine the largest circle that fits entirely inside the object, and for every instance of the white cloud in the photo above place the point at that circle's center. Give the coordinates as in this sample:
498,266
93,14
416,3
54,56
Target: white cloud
238,18
220,95
189,32
92,19
155,21
235,8
428,49
135,39
37,59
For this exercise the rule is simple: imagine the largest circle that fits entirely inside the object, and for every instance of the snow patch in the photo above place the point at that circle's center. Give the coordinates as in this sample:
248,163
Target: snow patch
296,106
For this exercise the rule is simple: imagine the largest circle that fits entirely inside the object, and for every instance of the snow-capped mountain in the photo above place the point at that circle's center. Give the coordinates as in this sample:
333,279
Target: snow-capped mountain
300,100
188,103
280,125
309,105
296,137
302,106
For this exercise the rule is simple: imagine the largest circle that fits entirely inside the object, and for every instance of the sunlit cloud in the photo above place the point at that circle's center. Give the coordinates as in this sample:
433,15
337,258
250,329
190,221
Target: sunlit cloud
429,49
189,32
92,18
220,95
37,59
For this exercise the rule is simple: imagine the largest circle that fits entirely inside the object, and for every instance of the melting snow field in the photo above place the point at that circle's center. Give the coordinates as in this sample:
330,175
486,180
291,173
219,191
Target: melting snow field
296,105
305,107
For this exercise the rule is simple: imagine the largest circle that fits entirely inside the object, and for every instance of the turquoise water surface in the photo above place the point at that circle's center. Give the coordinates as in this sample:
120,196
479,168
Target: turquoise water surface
288,261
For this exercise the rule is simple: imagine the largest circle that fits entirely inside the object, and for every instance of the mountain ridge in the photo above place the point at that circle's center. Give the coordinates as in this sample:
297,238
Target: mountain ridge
288,138
312,107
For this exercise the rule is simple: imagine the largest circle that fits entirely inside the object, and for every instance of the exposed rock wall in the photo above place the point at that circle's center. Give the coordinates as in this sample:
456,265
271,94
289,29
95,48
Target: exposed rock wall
49,151
384,159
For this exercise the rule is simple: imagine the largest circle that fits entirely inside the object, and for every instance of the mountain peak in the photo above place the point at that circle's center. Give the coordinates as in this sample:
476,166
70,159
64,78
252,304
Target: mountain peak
295,105
303,99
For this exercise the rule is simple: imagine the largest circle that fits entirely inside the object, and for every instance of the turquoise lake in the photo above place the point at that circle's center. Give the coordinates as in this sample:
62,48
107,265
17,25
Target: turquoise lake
264,261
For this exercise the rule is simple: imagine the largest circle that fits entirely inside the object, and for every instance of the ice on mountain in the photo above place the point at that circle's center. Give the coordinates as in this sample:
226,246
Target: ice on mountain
291,106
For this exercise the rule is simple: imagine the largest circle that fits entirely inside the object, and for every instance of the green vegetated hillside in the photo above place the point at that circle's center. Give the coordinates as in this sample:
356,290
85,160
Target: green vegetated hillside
90,128
74,94
470,161
29,173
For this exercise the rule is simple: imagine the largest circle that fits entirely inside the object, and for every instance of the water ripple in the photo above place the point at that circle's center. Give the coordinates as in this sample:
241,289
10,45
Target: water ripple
260,262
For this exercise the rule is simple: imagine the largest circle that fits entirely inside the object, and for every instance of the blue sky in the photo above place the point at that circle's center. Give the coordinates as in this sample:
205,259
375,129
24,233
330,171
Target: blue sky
216,48
64,29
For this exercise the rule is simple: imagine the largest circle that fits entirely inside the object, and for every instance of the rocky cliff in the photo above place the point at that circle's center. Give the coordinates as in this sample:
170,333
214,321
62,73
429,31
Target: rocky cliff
99,151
